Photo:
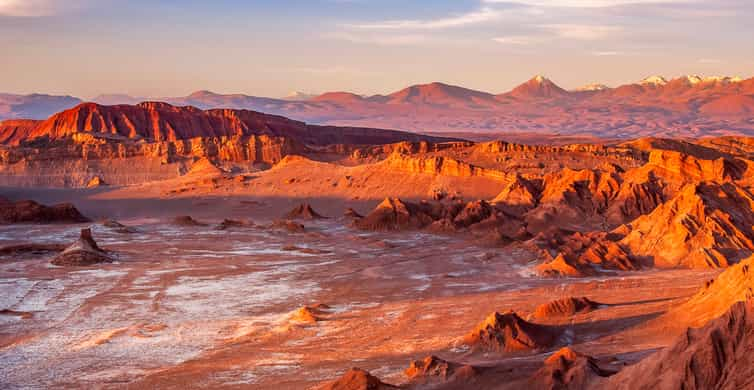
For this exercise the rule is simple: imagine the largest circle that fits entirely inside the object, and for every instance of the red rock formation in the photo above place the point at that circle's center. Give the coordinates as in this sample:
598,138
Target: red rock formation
163,122
433,370
395,214
29,211
14,131
84,252
716,356
187,220
586,254
439,166
704,225
735,284
567,369
507,332
303,211
357,379
565,307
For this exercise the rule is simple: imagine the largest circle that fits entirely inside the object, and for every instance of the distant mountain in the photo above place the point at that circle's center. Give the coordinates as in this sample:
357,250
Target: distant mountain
442,95
34,106
537,88
298,96
117,98
592,87
689,106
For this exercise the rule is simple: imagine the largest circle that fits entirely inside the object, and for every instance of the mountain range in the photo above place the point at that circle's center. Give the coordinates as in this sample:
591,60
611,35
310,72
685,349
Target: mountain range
688,106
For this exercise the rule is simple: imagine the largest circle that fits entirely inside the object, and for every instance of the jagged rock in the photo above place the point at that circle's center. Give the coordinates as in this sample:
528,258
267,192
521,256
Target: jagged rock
29,211
288,225
507,332
186,220
83,252
586,254
567,369
705,225
94,182
394,214
565,307
357,379
118,227
716,297
432,370
472,213
232,223
716,356
303,211
353,214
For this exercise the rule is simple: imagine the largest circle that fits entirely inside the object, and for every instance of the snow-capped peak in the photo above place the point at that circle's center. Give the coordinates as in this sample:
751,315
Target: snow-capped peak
654,80
593,87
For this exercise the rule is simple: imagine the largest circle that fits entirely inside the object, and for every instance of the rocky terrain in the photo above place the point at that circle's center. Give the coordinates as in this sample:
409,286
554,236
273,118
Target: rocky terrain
236,249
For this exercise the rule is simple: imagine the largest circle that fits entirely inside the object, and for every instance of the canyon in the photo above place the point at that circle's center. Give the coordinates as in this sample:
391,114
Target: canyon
155,245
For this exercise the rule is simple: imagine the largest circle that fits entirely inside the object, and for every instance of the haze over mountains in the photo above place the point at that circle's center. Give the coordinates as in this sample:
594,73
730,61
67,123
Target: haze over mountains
686,106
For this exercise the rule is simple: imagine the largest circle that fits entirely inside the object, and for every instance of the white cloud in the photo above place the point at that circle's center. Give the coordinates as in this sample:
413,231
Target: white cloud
27,7
378,39
609,53
583,3
518,40
36,8
709,61
482,15
584,32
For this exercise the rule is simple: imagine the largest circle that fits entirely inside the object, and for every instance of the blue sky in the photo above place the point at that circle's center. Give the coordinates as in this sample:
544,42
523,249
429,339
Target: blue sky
269,48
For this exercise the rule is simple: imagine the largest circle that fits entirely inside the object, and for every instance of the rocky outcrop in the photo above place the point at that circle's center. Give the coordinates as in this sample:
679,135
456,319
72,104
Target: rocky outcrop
395,214
84,252
565,307
356,379
567,369
716,356
29,211
736,284
583,254
507,332
439,166
433,370
158,122
13,131
706,225
187,220
303,211
88,146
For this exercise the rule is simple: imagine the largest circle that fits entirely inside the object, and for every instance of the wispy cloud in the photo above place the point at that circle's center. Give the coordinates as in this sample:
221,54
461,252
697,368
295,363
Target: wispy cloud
482,15
518,40
582,31
28,7
584,3
709,61
390,39
37,8
609,53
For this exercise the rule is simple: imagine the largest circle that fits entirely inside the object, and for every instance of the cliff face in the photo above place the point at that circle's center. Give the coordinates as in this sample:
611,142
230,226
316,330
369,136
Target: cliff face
252,148
163,122
16,130
440,166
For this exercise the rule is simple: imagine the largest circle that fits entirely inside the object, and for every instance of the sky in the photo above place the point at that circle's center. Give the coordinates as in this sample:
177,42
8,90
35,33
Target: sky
161,48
